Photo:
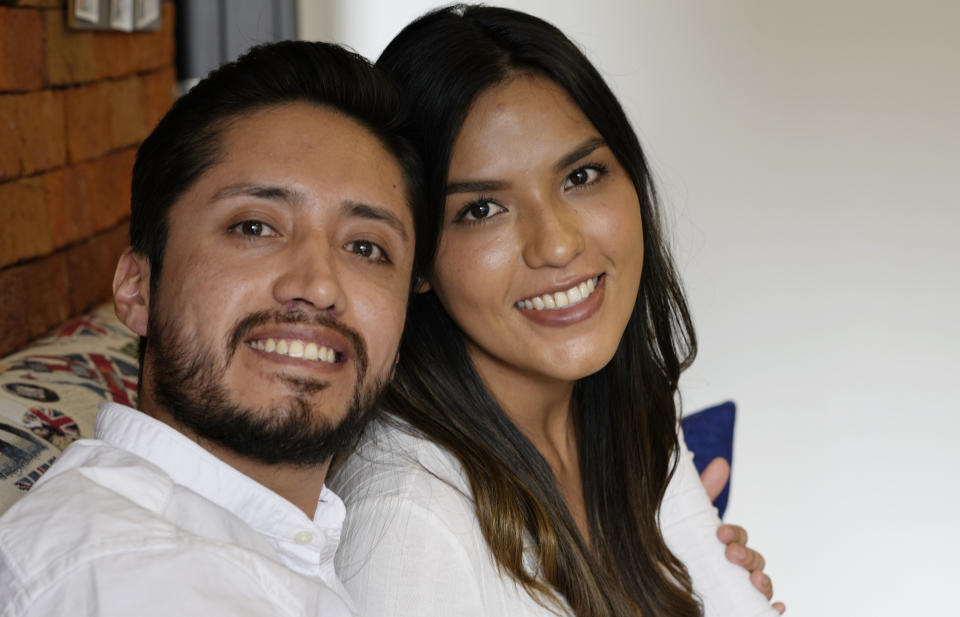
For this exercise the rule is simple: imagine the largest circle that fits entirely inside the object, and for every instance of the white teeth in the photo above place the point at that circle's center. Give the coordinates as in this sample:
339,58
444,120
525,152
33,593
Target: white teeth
561,299
295,349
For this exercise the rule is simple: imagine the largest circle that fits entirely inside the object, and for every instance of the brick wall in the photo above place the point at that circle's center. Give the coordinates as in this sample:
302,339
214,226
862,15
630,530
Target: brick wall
73,108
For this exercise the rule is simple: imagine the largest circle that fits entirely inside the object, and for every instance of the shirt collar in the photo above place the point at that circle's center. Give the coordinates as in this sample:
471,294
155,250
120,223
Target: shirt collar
305,545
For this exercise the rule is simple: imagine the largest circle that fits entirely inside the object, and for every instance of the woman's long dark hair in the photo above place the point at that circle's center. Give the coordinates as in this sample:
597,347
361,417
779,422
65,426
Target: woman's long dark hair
626,413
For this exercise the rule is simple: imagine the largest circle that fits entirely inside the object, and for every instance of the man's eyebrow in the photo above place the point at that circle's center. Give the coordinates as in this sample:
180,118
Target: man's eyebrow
375,213
579,152
269,192
476,186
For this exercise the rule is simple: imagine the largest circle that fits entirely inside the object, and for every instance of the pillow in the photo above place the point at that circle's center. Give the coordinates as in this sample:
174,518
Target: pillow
50,392
709,434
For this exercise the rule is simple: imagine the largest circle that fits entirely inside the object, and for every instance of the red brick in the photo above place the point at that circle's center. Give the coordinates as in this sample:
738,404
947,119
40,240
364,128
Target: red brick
34,297
47,289
24,233
91,264
68,54
127,124
21,48
117,173
82,194
87,110
11,150
158,93
62,217
113,54
155,49
14,327
31,133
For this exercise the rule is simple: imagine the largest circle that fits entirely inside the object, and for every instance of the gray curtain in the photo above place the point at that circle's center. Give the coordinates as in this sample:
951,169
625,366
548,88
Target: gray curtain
211,32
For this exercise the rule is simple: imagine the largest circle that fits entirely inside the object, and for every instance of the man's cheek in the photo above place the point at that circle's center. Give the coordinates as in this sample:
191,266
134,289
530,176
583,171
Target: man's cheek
383,334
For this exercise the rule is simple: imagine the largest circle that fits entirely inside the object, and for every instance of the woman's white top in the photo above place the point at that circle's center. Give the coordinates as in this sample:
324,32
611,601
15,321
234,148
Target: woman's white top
411,544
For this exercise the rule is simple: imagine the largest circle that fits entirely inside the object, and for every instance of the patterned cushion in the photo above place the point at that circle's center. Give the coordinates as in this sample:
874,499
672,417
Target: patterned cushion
50,391
709,434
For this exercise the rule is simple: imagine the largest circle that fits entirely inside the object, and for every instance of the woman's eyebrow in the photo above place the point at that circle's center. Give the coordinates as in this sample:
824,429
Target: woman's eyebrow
476,186
579,152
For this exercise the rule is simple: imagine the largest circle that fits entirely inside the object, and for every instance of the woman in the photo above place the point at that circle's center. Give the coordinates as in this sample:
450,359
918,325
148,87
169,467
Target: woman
532,428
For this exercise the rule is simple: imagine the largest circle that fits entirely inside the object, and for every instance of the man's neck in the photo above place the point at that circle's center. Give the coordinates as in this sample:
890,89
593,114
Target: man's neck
298,484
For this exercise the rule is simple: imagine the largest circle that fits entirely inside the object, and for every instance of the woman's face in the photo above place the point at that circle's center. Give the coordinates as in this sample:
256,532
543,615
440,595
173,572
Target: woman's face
541,250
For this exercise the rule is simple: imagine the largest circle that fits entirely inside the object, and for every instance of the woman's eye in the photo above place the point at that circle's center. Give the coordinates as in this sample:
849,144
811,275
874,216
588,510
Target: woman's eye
583,176
479,210
253,228
367,250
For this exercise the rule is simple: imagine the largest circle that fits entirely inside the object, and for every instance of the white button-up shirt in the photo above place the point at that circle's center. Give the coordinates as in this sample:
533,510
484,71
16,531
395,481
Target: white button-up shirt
143,521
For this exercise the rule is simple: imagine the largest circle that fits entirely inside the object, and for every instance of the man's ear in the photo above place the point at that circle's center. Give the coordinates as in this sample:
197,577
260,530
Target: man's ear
131,290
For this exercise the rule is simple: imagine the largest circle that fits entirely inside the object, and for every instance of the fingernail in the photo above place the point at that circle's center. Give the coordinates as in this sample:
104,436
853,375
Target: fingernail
766,580
740,552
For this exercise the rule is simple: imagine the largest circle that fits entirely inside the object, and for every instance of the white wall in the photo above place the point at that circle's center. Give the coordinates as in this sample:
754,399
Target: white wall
808,154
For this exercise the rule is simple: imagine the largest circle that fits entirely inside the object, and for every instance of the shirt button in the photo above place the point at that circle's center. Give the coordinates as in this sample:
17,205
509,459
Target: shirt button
303,537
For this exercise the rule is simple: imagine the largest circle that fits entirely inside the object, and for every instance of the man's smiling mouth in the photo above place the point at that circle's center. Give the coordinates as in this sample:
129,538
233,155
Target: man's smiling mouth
295,348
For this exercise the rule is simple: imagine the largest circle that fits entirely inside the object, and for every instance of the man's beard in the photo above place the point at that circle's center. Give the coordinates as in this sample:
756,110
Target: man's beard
188,382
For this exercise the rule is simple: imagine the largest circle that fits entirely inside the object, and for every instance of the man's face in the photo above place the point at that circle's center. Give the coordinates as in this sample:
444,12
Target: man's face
284,286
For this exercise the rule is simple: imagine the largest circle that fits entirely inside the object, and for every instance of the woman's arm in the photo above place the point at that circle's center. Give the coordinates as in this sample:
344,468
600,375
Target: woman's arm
690,525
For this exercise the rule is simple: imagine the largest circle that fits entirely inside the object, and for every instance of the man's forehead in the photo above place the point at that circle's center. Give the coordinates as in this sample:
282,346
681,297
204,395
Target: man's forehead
299,152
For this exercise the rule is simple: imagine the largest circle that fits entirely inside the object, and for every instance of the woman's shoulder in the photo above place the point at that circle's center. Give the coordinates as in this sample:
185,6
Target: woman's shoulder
393,459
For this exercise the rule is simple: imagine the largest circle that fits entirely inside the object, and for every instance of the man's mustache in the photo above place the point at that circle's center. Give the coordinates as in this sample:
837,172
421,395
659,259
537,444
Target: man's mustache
255,320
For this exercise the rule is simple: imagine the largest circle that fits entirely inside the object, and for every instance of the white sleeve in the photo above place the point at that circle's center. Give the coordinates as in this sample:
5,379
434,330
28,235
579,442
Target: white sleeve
399,558
689,523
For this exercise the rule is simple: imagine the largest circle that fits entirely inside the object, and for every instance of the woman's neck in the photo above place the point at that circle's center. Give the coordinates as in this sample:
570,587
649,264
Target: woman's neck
543,410
541,407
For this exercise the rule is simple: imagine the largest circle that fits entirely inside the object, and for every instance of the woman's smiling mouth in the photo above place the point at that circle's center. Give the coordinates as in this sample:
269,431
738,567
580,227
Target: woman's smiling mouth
561,299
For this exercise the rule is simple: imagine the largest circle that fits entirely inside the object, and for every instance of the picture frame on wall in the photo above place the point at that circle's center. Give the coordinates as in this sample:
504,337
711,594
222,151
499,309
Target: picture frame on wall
87,10
146,12
119,15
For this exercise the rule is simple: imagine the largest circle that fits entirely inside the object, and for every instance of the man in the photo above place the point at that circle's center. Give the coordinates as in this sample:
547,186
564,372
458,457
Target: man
272,231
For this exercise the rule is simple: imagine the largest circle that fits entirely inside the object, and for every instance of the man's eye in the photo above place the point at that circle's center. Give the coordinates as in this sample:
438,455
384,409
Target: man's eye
588,174
253,229
367,250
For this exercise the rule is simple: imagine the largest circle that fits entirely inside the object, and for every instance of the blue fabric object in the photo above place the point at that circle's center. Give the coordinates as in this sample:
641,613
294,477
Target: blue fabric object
709,434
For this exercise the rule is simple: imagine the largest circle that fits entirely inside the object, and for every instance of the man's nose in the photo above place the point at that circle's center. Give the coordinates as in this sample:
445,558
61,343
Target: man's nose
552,234
309,276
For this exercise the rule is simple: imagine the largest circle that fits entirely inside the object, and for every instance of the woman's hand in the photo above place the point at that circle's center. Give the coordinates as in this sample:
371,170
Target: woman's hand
714,478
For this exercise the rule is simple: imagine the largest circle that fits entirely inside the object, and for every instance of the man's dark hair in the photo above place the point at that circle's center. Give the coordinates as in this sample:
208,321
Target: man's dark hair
187,140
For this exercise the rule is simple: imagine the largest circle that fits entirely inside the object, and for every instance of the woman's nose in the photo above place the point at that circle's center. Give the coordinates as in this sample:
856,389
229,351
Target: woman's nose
553,235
